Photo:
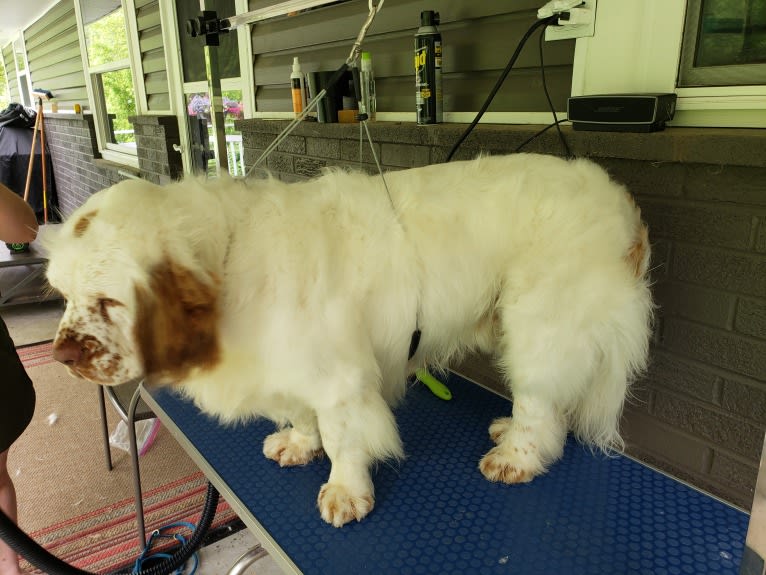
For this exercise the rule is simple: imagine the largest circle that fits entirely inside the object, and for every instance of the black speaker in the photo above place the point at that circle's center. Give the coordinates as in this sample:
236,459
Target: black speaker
621,112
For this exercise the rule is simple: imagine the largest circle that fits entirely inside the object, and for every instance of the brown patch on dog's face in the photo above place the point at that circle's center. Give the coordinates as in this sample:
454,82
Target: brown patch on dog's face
83,223
176,326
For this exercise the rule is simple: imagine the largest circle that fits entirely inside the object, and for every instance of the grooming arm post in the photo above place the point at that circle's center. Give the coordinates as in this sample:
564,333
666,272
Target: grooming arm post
209,26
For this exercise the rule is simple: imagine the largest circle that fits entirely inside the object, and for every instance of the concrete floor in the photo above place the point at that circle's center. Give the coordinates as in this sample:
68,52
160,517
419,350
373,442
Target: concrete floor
33,323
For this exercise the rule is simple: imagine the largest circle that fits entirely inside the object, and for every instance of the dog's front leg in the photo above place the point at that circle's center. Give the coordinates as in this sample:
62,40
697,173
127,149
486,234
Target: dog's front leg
297,444
355,432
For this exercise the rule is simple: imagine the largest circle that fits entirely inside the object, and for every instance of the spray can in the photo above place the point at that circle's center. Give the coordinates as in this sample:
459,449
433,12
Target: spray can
296,87
428,69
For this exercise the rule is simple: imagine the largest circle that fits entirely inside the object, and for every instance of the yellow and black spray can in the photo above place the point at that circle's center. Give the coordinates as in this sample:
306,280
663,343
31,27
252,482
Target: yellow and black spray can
428,69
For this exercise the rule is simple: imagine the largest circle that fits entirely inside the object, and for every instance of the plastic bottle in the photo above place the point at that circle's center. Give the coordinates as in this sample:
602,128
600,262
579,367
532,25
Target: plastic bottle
296,87
368,105
428,69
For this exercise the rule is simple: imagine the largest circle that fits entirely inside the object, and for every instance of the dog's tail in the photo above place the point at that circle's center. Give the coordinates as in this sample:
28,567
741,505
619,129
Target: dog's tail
623,347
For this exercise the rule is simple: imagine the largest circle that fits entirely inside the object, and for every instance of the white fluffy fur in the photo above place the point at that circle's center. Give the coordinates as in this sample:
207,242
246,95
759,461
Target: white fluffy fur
323,282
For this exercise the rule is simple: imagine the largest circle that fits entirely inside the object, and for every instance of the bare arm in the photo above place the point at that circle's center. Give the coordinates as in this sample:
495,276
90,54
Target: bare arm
18,223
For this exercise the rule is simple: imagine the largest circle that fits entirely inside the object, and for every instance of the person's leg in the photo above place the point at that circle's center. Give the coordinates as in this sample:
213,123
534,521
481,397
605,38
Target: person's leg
16,410
9,562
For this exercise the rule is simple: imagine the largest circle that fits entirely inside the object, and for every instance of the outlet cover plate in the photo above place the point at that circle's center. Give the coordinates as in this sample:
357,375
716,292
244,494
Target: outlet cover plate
566,32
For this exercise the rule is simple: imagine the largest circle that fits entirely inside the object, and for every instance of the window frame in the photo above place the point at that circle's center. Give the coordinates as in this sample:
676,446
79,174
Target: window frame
23,78
109,151
637,48
179,89
708,76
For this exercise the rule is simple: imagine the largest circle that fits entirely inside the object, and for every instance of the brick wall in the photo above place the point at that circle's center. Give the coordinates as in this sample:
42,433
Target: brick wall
72,142
314,146
700,412
702,407
155,138
79,169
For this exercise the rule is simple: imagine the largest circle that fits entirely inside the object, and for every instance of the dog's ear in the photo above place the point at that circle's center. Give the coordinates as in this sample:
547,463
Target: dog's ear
176,326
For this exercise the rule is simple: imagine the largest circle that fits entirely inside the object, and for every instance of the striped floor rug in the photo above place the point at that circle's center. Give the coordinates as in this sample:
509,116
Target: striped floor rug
69,502
36,354
105,540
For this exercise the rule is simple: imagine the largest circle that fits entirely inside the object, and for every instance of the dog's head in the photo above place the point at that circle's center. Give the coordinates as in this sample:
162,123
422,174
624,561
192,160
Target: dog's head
138,304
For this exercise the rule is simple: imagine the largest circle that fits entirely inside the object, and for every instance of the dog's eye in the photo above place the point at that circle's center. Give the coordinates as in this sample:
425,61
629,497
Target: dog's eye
103,307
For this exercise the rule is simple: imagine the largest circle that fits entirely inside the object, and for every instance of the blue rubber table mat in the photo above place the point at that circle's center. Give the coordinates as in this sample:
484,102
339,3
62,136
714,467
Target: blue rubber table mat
435,512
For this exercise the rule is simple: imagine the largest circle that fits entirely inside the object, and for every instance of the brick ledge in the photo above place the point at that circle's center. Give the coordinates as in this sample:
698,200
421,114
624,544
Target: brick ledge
724,146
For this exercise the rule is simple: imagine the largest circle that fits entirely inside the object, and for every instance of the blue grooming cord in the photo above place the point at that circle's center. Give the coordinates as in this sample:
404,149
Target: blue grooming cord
435,512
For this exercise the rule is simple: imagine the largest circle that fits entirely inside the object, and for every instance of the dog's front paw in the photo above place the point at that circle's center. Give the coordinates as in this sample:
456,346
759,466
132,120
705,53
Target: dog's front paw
288,447
511,464
338,505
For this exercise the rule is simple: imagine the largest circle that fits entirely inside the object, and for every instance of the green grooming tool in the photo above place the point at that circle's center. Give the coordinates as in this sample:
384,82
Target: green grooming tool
437,387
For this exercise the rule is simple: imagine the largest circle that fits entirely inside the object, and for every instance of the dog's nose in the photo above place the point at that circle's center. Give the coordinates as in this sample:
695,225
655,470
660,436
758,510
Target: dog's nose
67,351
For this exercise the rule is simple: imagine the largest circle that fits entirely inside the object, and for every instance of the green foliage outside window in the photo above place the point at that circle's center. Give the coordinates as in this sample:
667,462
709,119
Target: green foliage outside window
107,43
4,97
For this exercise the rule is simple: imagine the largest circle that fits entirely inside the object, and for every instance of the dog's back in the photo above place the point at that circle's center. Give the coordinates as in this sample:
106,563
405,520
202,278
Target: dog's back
493,230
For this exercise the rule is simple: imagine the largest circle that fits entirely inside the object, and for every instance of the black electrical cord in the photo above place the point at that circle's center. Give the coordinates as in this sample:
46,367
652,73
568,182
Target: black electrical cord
548,97
539,133
544,23
37,556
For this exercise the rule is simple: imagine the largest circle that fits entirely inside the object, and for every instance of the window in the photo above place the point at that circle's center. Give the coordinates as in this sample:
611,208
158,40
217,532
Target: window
109,70
724,43
203,138
22,73
197,101
4,95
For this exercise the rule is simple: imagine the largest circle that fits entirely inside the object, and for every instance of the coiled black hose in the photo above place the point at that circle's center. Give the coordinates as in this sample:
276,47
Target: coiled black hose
37,556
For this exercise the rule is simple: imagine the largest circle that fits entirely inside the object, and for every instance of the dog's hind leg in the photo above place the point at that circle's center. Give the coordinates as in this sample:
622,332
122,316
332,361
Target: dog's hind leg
526,443
546,364
296,444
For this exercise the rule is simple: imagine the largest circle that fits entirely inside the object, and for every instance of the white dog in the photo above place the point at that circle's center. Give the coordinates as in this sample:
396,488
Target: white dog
298,302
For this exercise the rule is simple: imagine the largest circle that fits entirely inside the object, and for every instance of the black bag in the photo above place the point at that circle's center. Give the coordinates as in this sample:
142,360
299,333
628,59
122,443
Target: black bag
17,116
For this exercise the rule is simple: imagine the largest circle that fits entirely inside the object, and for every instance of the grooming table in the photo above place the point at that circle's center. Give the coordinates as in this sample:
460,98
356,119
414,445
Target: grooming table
14,289
34,262
435,512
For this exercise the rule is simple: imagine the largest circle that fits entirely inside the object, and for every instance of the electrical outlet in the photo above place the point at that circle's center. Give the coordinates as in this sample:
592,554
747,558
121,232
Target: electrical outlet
583,23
